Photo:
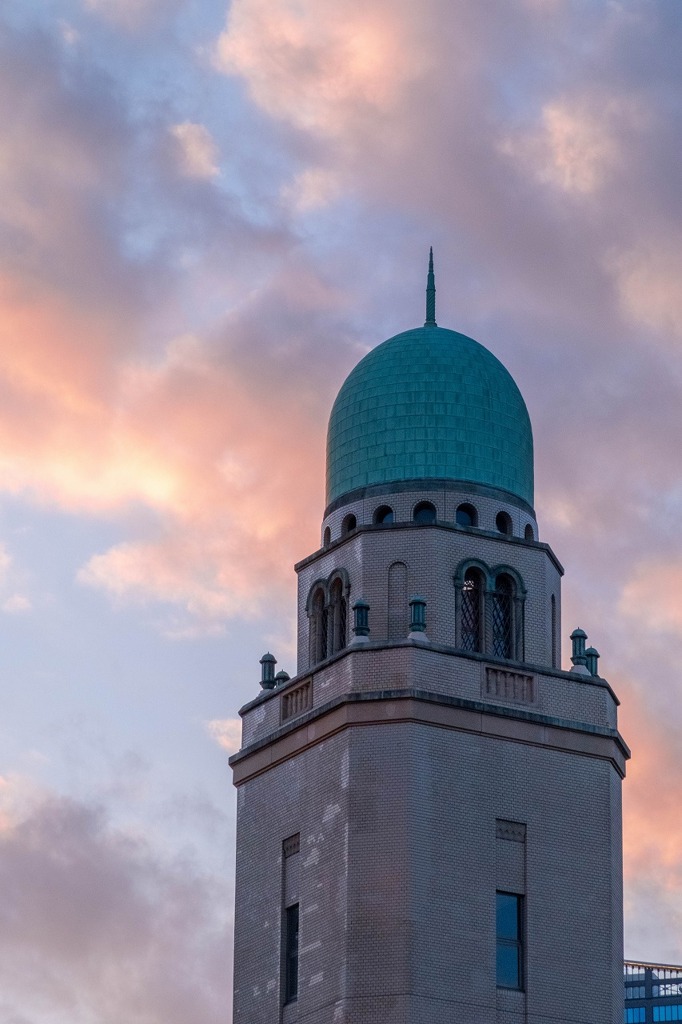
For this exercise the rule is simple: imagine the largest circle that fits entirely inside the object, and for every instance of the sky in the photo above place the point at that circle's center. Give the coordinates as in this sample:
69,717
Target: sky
210,211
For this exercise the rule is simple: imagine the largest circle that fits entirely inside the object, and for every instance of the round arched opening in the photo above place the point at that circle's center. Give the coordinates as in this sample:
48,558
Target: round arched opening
348,524
503,523
528,532
384,515
466,515
424,513
327,539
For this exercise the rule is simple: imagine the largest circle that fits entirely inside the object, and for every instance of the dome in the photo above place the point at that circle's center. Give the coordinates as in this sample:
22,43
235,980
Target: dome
430,404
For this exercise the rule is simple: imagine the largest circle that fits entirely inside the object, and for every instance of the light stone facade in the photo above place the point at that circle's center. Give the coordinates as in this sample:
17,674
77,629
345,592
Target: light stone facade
399,781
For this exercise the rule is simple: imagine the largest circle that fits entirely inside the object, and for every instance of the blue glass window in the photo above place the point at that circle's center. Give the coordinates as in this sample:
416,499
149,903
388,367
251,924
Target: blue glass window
668,1012
509,940
635,1015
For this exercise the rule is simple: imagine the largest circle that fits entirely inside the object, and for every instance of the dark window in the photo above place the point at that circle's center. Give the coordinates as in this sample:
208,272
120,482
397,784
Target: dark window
528,533
349,523
338,617
509,940
503,523
466,516
555,659
291,953
327,537
503,618
471,615
384,515
425,512
318,628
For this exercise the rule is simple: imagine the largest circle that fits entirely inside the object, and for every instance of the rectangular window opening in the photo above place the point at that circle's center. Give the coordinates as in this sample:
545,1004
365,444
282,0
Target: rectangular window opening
509,911
291,953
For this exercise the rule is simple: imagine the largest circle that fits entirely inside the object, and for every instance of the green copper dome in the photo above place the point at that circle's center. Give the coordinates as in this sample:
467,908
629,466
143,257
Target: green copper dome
430,404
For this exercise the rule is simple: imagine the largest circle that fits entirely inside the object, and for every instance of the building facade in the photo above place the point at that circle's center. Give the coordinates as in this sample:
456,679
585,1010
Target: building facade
653,992
429,812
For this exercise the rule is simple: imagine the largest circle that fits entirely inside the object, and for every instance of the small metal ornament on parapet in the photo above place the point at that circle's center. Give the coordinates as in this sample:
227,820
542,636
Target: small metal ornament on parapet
267,678
418,620
361,625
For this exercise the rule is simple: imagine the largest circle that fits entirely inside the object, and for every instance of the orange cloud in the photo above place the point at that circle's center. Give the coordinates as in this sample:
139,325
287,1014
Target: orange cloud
227,475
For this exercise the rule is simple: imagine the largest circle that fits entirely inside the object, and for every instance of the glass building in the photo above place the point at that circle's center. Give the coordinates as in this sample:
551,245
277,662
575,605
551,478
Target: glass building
653,992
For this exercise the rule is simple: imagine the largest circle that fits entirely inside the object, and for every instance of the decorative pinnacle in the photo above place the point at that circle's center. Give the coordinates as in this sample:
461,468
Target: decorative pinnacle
430,294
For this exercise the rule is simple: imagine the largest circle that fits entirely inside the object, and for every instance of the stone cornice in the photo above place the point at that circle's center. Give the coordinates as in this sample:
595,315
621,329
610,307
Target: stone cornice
387,707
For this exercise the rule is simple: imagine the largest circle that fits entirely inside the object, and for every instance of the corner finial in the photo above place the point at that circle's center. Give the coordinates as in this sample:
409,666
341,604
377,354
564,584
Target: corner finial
430,294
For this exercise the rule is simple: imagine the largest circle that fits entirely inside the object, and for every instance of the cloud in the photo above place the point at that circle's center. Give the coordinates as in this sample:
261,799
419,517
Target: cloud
197,151
131,15
97,924
647,279
227,732
653,595
318,65
107,411
580,142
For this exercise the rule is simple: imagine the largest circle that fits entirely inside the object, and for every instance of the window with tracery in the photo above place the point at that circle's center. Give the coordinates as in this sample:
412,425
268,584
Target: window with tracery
471,620
502,617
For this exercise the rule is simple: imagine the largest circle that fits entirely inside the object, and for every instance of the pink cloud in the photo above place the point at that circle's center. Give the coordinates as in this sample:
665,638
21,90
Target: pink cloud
320,65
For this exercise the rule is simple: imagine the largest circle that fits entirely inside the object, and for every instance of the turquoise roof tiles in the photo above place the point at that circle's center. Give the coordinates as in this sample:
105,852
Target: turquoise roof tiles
430,404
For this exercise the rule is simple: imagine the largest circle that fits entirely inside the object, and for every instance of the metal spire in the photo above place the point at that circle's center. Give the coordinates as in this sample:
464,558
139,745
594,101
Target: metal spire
430,294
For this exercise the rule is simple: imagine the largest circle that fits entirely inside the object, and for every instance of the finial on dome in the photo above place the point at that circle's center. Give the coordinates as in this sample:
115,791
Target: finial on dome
430,294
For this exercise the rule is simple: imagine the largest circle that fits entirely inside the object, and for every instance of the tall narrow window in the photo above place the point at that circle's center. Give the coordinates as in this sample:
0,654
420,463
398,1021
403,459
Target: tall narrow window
509,940
291,953
554,633
318,628
503,618
338,617
471,613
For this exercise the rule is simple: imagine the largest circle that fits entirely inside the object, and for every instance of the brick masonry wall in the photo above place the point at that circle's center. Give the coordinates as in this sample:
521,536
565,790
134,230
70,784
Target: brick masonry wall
398,879
432,555
566,695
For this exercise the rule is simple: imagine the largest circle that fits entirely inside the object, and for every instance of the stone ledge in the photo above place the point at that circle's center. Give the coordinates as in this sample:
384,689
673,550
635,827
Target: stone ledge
460,714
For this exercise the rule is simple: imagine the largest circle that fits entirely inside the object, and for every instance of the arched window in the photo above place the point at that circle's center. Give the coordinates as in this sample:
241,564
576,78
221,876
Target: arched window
383,515
466,515
424,512
502,617
348,524
318,627
503,523
528,533
471,614
327,537
338,610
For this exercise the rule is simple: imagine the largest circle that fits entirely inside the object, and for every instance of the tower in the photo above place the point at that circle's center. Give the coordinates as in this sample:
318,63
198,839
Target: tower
429,813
